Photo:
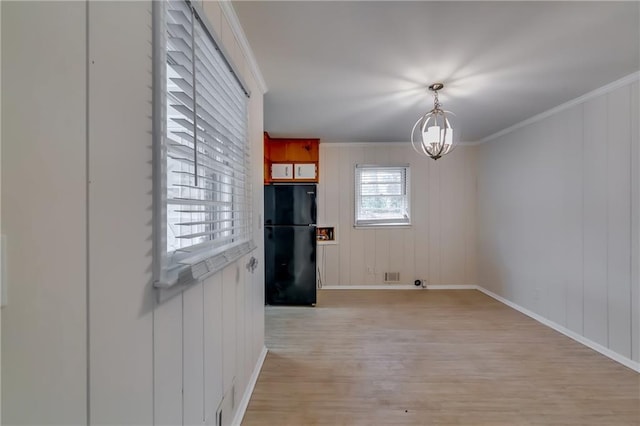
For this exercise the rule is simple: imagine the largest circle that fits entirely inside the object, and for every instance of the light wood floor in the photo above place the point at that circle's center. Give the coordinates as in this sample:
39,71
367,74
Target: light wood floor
432,358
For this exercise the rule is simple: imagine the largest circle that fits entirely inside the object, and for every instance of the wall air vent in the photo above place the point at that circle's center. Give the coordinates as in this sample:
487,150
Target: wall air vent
392,277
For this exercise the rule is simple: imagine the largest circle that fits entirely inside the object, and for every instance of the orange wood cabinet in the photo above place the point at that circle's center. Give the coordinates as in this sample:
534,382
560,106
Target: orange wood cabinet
290,160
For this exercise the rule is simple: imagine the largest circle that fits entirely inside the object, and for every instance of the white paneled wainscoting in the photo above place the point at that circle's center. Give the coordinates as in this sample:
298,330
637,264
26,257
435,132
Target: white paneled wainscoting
84,340
438,247
558,218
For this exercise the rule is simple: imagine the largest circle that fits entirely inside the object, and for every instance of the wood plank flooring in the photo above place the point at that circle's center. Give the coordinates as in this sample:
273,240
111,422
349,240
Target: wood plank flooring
431,358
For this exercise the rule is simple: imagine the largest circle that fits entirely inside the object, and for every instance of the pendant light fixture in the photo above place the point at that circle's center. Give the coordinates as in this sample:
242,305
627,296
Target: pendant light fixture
432,135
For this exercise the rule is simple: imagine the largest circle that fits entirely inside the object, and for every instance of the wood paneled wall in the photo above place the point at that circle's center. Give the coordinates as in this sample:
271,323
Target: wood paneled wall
558,218
44,201
209,338
439,247
84,340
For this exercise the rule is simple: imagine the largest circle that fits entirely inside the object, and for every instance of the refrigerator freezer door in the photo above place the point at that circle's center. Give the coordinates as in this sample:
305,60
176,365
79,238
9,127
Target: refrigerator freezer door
289,204
290,265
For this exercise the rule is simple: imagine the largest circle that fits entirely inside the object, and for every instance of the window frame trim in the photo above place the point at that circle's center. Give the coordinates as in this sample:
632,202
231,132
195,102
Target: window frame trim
168,279
357,198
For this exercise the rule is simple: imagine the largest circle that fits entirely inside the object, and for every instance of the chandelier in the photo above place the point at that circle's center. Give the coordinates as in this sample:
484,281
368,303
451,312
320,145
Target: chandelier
432,135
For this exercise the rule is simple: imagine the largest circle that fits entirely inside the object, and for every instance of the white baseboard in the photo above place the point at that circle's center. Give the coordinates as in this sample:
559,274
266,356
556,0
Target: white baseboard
372,287
244,403
451,287
398,287
561,329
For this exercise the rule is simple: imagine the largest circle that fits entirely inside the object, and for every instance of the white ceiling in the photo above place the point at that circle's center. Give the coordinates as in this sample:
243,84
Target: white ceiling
358,71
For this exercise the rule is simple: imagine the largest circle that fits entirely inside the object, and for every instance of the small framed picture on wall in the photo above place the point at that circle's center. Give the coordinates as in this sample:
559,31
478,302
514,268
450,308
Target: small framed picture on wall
326,234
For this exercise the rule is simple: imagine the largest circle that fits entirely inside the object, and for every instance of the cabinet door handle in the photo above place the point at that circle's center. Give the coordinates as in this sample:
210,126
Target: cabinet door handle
286,171
299,170
252,265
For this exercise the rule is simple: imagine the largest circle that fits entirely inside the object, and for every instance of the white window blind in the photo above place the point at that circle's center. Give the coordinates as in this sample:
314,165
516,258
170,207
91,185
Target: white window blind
206,180
382,195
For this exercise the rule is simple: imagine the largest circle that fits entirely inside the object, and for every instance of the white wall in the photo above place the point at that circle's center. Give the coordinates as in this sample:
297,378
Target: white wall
121,298
83,337
192,351
1,268
439,247
558,217
44,200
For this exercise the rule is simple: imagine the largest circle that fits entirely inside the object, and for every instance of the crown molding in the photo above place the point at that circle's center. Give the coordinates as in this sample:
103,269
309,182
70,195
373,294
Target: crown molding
238,32
360,144
402,144
577,101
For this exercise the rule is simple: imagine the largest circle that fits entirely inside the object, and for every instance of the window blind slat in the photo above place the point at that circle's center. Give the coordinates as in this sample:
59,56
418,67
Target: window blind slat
223,105
214,171
237,182
215,232
182,84
179,30
178,12
187,201
218,118
178,58
218,243
211,58
203,222
184,154
210,190
218,101
215,126
213,84
185,101
213,167
213,141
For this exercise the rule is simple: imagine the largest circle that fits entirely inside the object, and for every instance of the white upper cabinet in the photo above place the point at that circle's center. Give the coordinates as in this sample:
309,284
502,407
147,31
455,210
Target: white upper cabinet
281,171
304,171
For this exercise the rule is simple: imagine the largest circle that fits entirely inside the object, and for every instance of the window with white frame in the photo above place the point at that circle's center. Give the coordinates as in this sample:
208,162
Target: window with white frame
382,195
202,173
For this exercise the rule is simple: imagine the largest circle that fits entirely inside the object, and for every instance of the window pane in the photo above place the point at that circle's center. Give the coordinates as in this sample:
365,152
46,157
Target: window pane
207,162
382,195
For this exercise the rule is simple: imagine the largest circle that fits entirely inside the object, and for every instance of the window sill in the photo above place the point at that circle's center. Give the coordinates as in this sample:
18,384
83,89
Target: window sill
191,274
386,225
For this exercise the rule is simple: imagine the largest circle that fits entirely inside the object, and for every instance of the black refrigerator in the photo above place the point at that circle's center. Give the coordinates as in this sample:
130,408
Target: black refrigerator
290,244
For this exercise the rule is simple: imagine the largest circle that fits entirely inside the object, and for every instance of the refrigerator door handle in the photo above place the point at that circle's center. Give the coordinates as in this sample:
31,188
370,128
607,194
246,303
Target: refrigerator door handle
314,207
